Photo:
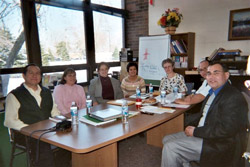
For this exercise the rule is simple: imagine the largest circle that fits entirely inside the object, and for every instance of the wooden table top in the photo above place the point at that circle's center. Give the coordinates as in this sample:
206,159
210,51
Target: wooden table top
85,138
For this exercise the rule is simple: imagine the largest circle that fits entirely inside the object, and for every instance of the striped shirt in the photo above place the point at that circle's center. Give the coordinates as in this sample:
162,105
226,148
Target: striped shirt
129,88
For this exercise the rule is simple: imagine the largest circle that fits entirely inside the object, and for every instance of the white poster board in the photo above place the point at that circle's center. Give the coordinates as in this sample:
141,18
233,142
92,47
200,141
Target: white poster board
152,50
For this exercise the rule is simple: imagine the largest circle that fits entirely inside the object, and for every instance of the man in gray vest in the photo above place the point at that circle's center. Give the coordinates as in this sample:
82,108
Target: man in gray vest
217,137
28,104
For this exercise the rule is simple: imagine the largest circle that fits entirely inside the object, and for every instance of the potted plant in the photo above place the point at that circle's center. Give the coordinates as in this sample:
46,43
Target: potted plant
170,20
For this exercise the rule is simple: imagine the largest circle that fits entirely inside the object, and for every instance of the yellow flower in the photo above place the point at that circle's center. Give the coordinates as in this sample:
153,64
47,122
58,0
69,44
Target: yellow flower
170,18
159,22
172,14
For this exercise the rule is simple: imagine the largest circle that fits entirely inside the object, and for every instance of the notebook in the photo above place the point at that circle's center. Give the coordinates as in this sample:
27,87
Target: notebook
106,114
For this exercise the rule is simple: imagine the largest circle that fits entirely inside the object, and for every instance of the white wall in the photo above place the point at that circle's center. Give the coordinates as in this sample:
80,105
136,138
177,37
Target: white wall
209,19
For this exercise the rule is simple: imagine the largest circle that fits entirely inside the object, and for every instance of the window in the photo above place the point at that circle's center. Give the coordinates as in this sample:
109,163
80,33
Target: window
12,44
111,3
108,37
11,35
10,82
61,34
54,78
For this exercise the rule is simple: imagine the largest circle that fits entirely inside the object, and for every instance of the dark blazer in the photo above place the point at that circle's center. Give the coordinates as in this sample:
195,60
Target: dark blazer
224,131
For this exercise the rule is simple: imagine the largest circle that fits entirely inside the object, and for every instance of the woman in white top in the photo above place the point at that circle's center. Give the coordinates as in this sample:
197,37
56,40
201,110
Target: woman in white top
172,79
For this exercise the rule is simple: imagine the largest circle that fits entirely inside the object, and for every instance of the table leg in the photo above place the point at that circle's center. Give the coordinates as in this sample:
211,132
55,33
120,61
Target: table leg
155,135
103,157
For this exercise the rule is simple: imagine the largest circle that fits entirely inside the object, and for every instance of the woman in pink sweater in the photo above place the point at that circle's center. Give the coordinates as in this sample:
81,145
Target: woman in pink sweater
68,91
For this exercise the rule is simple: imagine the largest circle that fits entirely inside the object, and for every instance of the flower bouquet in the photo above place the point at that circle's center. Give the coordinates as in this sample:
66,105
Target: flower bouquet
171,18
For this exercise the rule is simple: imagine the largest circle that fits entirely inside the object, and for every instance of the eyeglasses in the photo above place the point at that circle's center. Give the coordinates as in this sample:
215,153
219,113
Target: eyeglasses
215,73
202,69
166,67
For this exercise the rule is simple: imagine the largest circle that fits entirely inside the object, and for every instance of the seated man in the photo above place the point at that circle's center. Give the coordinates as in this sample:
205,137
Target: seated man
28,104
202,91
217,138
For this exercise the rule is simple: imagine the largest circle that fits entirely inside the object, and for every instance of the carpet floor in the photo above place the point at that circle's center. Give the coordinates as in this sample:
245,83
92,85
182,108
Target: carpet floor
134,152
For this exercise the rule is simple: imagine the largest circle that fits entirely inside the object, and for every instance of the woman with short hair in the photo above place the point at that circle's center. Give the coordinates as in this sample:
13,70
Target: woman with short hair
104,88
68,91
132,81
172,79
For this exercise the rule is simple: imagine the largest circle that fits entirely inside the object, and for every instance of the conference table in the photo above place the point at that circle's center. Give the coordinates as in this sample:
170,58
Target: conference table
96,146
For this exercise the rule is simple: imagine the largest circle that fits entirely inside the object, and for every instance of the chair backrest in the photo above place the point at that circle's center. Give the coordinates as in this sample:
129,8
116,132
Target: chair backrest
10,135
248,102
190,86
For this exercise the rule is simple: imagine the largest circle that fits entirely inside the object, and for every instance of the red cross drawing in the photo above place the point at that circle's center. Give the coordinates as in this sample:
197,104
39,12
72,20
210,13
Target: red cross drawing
146,54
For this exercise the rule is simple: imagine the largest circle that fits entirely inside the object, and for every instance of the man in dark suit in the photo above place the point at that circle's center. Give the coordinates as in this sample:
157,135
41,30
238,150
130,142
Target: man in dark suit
217,137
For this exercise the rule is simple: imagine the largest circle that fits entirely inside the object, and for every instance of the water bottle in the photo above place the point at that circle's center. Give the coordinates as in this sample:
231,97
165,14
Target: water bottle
125,112
163,96
74,113
88,105
151,89
175,91
138,102
138,92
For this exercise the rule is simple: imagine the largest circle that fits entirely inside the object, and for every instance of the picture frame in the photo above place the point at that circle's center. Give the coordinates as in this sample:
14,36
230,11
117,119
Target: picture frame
239,24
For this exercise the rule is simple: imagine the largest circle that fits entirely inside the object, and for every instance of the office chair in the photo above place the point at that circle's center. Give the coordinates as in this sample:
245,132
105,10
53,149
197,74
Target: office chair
247,97
190,86
21,145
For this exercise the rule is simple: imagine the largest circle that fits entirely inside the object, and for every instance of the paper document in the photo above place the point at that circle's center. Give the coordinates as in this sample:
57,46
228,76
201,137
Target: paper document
119,102
133,113
156,110
176,105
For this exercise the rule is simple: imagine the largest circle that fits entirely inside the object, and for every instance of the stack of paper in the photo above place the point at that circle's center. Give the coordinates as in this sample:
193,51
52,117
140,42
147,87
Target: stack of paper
176,105
156,110
93,121
119,102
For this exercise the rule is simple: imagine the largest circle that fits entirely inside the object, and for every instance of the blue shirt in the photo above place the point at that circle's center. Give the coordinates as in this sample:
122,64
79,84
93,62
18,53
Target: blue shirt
211,91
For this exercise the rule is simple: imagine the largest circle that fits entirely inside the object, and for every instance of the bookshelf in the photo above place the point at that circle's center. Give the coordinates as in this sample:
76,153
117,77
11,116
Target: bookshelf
183,51
233,59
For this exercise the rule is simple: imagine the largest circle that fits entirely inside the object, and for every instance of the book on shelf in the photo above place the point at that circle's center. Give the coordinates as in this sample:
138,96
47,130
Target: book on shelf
172,49
214,54
177,58
228,53
178,47
232,50
175,47
218,53
184,45
184,62
241,58
227,59
177,64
